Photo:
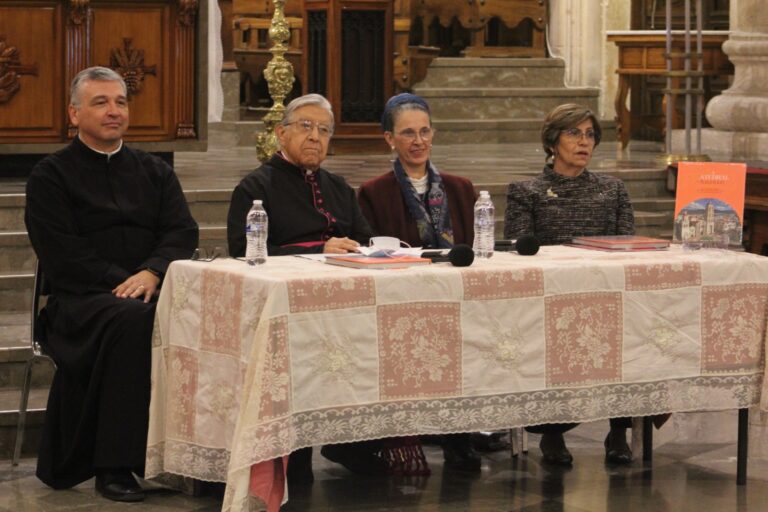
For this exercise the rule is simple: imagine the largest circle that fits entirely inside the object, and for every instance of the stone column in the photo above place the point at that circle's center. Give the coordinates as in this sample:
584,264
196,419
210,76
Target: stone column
577,35
739,115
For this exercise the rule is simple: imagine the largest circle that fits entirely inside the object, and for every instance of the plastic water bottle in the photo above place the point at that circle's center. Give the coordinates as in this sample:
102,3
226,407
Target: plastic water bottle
256,229
484,226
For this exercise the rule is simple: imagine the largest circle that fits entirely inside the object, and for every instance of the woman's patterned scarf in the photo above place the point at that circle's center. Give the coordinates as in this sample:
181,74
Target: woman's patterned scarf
431,214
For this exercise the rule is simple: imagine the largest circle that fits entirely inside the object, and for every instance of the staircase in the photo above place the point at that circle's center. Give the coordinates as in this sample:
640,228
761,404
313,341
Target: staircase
16,271
476,100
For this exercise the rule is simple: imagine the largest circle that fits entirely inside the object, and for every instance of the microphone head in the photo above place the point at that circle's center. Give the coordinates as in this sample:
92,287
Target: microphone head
527,245
461,255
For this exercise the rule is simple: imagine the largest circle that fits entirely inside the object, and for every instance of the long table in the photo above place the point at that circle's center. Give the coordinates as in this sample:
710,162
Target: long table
251,363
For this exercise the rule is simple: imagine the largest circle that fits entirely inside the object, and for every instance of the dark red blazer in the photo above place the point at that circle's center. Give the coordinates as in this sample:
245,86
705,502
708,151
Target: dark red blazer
383,205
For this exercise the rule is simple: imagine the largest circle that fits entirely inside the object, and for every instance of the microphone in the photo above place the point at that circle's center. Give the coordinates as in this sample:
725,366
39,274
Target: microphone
525,245
461,255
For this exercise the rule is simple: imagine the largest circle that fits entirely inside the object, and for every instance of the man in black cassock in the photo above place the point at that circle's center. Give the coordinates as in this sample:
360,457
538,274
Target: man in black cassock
310,210
105,221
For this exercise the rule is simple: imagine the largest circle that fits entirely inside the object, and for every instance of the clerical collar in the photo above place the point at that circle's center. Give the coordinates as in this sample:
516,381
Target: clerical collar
303,170
108,154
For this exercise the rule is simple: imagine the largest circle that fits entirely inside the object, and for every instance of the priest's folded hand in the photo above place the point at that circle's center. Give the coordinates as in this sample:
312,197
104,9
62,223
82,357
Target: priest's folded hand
142,284
340,245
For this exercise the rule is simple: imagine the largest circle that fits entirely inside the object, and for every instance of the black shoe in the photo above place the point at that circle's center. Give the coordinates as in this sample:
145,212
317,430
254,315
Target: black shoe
356,457
118,485
617,453
300,467
459,454
554,451
490,441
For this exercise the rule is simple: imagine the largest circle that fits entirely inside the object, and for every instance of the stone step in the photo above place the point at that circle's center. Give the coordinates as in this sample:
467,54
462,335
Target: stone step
491,131
245,134
455,104
209,207
14,352
204,204
654,204
653,220
15,291
16,253
213,236
496,72
9,417
12,212
12,364
14,336
463,131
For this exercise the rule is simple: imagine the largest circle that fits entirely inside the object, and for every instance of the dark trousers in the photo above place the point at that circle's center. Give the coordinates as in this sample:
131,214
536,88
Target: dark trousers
98,408
560,428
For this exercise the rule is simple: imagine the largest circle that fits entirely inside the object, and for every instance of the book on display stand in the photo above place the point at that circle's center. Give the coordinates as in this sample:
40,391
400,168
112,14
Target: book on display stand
709,204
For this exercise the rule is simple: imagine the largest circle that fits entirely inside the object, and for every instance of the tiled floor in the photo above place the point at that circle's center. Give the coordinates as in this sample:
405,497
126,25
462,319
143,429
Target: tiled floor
691,477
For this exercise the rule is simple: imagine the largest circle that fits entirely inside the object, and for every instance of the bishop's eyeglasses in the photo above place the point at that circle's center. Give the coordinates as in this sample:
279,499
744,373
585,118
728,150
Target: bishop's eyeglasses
306,126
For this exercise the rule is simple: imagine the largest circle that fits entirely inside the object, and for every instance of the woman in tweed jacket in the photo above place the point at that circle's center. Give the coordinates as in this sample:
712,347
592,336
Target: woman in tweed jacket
564,201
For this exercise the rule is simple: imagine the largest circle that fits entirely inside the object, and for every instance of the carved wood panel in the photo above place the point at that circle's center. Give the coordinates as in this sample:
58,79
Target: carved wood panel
132,40
151,43
31,71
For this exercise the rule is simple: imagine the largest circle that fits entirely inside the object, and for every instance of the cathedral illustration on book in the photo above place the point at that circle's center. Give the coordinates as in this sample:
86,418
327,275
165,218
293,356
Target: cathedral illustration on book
708,220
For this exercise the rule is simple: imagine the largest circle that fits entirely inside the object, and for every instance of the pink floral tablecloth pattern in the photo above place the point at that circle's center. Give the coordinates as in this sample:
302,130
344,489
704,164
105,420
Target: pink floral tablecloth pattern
251,363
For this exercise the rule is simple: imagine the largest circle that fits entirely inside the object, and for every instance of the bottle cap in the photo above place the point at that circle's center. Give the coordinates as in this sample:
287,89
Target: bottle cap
257,202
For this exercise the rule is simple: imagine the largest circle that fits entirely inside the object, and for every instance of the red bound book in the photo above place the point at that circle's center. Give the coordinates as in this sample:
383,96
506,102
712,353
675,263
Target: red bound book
620,242
368,262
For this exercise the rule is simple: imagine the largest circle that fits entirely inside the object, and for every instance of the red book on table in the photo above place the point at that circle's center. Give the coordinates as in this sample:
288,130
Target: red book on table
621,242
372,262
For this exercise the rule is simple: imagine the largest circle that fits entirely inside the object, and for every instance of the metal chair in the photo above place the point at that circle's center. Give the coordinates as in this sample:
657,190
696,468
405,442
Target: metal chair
41,289
518,440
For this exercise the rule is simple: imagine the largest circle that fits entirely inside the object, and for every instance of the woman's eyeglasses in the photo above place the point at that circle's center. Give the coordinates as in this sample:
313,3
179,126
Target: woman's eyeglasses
424,134
306,126
576,134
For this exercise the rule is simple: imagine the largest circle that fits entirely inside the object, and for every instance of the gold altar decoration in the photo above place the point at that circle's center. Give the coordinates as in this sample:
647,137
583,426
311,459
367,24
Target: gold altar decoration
279,76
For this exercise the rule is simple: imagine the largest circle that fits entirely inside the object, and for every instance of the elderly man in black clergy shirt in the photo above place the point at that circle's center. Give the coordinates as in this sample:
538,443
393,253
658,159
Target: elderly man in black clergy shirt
310,210
105,221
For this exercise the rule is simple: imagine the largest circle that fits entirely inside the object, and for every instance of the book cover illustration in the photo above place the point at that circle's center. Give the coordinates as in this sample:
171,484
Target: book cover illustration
709,205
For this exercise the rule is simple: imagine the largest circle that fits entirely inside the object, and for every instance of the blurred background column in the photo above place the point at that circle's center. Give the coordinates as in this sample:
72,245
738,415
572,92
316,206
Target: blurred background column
739,115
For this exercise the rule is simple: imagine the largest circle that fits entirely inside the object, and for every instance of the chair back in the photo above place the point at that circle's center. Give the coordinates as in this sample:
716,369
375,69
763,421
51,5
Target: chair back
40,292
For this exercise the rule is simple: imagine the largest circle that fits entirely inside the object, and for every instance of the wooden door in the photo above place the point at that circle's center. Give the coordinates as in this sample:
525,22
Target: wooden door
349,60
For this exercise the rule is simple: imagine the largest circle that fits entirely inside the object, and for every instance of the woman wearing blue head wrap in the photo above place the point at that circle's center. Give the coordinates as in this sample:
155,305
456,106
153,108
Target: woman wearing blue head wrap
414,201
421,206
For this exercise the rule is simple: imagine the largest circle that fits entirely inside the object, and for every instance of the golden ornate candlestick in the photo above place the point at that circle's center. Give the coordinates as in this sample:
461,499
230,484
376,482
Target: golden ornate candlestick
279,76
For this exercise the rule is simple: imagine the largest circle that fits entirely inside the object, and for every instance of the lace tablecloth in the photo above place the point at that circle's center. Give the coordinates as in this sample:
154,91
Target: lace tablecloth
251,363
